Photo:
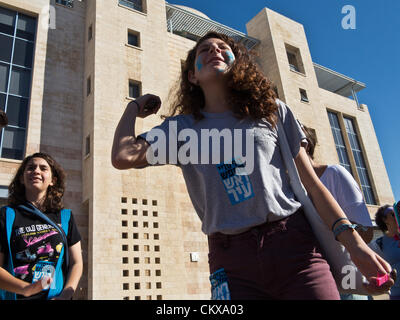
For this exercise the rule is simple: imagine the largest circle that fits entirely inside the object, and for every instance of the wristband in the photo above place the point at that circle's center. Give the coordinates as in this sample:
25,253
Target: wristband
343,227
340,219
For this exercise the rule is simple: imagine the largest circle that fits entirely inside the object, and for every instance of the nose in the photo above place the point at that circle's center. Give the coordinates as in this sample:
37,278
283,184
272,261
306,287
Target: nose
36,169
214,48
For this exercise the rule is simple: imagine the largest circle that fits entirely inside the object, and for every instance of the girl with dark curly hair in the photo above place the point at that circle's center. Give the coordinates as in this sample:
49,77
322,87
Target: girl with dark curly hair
260,243
32,245
389,244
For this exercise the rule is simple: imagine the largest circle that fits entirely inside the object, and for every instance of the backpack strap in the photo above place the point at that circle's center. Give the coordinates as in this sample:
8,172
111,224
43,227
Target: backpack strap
65,217
58,280
9,266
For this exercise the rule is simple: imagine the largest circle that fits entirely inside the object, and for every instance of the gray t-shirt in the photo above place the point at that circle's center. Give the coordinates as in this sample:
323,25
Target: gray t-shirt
241,182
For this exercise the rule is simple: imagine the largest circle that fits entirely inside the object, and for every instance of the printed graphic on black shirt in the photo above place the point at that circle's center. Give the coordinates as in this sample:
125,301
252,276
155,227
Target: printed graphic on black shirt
41,246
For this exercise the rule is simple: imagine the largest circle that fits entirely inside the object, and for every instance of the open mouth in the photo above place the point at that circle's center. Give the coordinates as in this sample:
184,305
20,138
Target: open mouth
216,59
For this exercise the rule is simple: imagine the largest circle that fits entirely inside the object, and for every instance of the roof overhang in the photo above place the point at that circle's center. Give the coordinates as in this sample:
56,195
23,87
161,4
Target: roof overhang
335,82
183,21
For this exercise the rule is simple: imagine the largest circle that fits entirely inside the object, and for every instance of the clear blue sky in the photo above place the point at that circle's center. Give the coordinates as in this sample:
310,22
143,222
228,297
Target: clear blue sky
369,54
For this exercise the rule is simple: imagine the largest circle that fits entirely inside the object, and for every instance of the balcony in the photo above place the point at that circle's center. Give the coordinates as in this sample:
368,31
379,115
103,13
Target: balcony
193,26
337,83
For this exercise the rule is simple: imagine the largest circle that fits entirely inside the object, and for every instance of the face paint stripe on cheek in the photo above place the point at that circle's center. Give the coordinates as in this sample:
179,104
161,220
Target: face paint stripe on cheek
199,65
231,57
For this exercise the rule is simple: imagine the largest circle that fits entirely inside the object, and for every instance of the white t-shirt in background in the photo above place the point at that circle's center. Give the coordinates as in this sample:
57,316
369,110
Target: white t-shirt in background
347,193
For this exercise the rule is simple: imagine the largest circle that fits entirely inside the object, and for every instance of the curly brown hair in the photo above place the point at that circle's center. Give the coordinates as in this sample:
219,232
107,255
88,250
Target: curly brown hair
53,201
380,218
251,93
311,139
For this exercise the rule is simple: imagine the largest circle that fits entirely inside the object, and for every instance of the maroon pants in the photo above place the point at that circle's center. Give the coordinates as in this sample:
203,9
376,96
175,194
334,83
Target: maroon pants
277,260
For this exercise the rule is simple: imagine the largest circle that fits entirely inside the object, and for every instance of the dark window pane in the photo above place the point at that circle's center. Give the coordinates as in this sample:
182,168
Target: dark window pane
360,161
26,27
339,141
20,81
13,143
6,47
133,39
67,3
2,101
23,53
134,4
134,90
4,70
17,111
7,21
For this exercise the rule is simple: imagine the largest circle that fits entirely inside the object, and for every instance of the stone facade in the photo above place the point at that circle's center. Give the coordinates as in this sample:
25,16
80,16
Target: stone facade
138,226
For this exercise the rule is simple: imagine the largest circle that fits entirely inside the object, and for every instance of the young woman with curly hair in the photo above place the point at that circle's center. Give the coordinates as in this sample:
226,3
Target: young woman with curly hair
260,243
29,244
389,244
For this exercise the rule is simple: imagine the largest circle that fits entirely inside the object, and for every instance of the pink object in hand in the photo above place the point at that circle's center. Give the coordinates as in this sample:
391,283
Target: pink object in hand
381,280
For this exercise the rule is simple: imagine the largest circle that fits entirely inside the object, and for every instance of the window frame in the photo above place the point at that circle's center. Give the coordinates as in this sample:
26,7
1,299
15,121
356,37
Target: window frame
138,37
304,96
293,52
130,4
351,157
65,3
28,36
134,82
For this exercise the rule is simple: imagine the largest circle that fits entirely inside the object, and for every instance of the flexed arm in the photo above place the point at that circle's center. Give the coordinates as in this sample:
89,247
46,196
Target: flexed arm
127,151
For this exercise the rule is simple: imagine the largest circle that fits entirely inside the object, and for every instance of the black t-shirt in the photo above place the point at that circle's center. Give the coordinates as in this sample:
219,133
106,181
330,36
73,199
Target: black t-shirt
34,245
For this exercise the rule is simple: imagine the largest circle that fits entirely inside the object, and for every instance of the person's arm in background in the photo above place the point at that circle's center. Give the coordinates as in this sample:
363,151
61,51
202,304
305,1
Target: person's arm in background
12,284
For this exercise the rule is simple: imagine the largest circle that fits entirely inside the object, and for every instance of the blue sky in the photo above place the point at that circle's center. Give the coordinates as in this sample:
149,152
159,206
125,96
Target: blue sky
370,53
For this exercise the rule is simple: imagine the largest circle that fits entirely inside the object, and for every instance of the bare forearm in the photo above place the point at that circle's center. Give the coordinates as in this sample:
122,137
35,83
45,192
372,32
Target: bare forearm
72,280
11,283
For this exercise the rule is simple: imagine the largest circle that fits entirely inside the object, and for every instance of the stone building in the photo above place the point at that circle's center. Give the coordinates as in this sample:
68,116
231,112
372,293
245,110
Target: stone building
65,80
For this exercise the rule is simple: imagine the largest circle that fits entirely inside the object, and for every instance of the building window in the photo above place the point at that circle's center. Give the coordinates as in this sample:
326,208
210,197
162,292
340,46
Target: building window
133,38
66,3
339,141
360,161
87,145
303,95
294,59
90,33
133,4
135,89
88,86
361,172
17,36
